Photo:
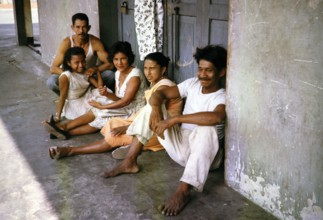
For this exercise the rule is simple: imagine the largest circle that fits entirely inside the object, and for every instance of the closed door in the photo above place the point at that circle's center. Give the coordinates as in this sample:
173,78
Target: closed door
127,31
188,24
191,24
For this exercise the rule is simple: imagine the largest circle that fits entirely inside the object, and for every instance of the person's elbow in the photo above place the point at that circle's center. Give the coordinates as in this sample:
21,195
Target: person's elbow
52,70
126,102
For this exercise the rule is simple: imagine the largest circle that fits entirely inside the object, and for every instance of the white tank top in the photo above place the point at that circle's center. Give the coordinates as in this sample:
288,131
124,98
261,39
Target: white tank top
91,58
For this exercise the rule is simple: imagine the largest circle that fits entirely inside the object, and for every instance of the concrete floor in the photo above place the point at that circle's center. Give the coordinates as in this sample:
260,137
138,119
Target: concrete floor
32,186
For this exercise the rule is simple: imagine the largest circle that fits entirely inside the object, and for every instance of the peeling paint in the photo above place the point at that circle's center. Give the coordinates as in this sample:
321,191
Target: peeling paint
265,195
312,212
274,100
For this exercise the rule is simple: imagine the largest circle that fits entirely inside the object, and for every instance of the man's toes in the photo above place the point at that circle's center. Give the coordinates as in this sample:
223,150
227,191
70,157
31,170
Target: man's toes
171,212
160,208
104,174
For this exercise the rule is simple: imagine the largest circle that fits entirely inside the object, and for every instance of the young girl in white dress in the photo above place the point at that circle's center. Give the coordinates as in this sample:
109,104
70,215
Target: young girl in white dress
76,88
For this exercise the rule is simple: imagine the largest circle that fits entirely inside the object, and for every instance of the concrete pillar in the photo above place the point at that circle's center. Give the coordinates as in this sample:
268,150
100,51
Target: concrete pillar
274,135
23,21
28,22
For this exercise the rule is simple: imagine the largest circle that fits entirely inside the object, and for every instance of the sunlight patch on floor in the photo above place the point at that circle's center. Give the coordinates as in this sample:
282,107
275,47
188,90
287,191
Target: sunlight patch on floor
21,195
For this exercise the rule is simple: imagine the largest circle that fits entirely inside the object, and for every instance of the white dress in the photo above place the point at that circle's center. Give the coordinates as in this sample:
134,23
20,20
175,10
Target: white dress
102,115
78,95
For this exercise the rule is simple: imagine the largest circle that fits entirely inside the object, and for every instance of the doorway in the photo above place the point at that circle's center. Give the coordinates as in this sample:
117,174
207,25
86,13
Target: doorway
187,24
191,24
27,24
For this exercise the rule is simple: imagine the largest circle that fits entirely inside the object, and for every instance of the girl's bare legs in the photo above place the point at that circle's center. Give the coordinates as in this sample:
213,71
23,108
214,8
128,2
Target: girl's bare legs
77,122
84,129
79,125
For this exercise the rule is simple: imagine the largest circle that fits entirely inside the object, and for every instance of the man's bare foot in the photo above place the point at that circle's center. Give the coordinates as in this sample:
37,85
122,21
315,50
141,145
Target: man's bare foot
177,202
125,167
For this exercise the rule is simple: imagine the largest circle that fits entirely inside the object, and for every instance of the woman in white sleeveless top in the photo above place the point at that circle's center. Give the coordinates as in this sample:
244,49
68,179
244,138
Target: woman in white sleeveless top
127,99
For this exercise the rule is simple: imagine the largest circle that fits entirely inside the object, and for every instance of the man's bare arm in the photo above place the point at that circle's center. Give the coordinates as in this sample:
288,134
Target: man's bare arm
203,118
102,55
156,100
59,57
158,125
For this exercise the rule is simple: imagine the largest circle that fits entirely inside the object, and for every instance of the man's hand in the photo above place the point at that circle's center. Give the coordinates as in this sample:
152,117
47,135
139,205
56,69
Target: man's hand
155,117
161,126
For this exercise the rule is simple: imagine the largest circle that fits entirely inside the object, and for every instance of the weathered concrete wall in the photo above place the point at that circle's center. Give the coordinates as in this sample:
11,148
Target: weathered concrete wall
55,22
274,150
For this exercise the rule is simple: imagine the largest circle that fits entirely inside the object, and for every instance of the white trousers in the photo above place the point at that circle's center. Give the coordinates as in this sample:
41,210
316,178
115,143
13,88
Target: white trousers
195,150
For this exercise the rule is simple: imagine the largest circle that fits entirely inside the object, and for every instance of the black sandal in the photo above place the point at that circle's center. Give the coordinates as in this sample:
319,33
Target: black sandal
54,130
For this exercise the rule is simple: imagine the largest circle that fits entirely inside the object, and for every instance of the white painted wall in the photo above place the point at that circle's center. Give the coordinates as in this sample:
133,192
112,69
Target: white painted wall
55,19
274,150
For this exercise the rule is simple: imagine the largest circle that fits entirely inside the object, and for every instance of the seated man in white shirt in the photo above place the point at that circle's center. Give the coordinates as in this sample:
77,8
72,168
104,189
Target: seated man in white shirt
191,139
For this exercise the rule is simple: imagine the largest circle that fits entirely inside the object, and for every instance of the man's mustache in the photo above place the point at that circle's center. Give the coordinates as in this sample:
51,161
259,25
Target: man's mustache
201,78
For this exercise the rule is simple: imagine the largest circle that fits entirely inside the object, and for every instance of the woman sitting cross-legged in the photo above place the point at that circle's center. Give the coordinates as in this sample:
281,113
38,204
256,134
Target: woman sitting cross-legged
128,97
155,66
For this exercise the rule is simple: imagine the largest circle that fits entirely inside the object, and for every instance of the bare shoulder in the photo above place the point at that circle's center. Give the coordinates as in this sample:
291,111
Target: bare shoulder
67,41
96,42
65,44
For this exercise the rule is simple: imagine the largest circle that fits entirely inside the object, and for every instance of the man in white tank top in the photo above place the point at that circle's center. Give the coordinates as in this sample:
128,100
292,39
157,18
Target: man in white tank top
94,51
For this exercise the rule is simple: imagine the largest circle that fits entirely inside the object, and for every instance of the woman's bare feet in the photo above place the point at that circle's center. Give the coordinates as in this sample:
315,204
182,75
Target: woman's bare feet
125,167
177,201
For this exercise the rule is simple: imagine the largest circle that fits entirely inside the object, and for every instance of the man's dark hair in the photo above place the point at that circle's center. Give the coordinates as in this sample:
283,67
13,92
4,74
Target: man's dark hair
80,16
214,54
121,47
68,56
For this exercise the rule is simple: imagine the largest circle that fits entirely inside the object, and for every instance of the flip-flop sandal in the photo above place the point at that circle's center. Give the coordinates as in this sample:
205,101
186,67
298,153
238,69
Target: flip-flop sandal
121,152
54,130
54,153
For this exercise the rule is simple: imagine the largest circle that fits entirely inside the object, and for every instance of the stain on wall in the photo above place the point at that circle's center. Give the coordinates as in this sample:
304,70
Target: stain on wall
274,150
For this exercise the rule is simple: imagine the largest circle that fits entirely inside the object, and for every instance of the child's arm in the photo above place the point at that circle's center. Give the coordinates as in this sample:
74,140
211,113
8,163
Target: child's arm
63,88
97,83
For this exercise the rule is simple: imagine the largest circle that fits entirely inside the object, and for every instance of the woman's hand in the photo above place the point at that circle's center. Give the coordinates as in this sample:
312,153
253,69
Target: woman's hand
95,104
119,130
103,91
